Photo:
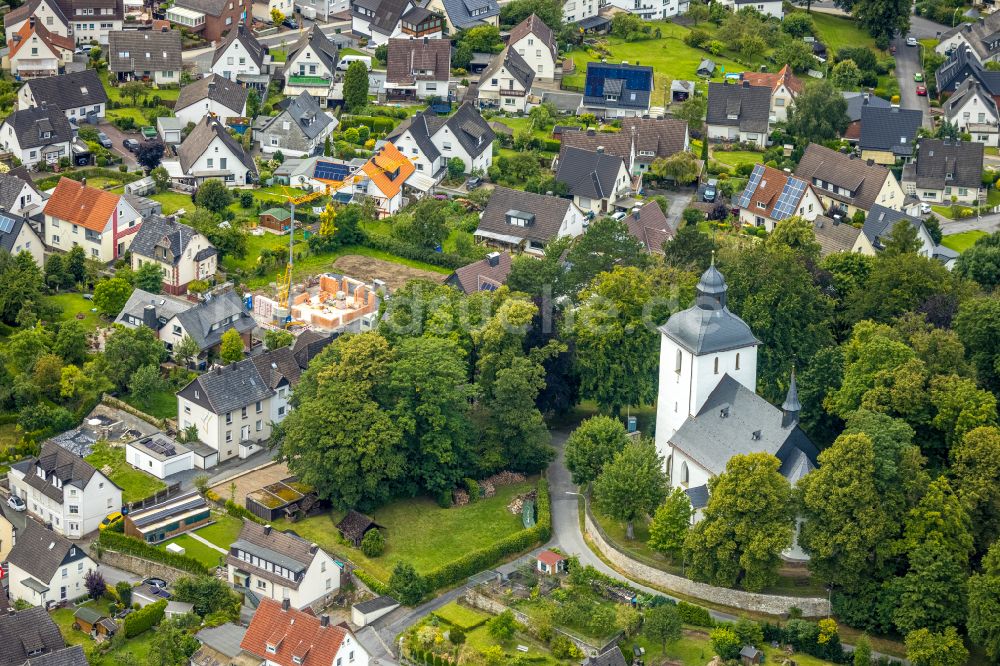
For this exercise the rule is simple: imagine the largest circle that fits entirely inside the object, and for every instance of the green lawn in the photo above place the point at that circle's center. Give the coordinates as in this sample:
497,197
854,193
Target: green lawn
135,484
963,241
537,654
278,55
837,32
114,92
420,532
525,123
137,648
128,112
173,201
223,532
669,56
735,158
162,404
75,304
694,649
195,549
462,617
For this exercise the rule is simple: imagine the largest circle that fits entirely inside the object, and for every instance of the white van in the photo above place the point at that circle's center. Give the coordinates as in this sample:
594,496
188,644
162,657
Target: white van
346,61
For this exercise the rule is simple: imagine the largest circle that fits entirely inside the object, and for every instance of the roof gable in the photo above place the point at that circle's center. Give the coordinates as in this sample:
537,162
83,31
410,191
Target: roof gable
412,60
40,126
590,174
773,193
279,634
245,40
863,180
388,169
217,89
88,207
546,214
133,50
745,106
67,91
533,25
201,138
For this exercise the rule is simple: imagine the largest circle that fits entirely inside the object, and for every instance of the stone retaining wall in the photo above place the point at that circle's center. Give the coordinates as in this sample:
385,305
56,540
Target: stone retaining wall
749,601
142,567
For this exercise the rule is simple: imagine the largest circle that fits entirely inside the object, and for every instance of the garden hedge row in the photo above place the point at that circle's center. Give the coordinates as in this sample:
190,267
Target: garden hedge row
414,253
237,511
375,585
376,125
484,558
694,615
127,545
144,619
95,172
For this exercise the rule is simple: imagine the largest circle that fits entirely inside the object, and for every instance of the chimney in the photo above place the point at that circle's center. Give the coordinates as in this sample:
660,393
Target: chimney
635,213
425,39
313,548
285,605
871,162
746,84
324,620
267,530
600,149
83,182
149,317
31,21
218,369
591,132
44,104
493,258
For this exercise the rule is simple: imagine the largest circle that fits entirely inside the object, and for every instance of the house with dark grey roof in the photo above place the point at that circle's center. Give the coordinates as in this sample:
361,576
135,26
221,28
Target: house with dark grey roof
962,65
639,143
39,134
610,657
856,101
17,235
242,59
418,68
465,14
524,221
79,94
880,223
234,406
888,135
151,310
212,95
380,20
145,55
617,90
282,565
299,130
430,141
19,195
47,567
63,490
487,274
31,637
945,171
311,66
739,113
209,151
847,184
972,109
535,42
708,410
981,38
506,82
207,321
181,253
596,180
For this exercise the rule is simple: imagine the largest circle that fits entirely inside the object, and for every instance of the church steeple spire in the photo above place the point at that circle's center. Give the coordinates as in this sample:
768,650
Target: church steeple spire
791,407
711,289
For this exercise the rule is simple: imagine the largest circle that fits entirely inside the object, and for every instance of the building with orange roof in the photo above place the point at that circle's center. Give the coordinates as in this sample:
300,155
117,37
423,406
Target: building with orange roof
784,85
34,51
387,171
772,195
104,224
283,636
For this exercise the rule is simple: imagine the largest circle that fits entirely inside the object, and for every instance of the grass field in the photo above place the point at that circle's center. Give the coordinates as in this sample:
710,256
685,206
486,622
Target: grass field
173,201
963,241
537,654
463,617
162,404
136,649
196,550
695,649
74,304
129,112
114,92
223,531
838,31
135,484
420,532
735,158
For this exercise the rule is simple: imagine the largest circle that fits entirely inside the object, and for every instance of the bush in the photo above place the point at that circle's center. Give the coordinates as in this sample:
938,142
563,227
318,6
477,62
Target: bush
696,38
456,636
143,619
373,543
237,511
408,251
373,584
472,488
693,216
694,615
564,648
129,546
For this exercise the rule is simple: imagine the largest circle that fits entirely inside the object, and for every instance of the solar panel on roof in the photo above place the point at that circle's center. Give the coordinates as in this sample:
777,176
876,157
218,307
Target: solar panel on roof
790,195
755,176
6,224
331,171
157,516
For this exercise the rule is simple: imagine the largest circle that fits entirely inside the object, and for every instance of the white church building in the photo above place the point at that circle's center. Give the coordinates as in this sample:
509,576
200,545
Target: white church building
708,409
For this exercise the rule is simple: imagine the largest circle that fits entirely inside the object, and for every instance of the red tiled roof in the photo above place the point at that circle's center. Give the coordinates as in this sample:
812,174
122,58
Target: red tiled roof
87,206
550,558
50,39
773,80
292,633
768,190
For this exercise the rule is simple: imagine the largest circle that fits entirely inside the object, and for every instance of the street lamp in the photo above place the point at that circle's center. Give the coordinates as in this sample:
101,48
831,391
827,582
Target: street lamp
954,16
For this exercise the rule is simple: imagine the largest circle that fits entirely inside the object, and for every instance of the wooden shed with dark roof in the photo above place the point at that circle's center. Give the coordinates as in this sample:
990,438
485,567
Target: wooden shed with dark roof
355,525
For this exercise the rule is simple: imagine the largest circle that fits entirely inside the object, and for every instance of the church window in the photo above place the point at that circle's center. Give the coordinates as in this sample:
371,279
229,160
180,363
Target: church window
685,473
716,365
677,366
737,360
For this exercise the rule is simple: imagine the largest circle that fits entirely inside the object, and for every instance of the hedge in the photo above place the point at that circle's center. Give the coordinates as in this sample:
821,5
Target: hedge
95,172
130,546
237,511
694,615
376,125
484,558
412,252
375,585
144,619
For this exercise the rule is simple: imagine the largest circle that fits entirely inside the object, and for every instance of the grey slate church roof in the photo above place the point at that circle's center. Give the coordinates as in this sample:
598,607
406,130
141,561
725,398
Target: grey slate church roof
709,326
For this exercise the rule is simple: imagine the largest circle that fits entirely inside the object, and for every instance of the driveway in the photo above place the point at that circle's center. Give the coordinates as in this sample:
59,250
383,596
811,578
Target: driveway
987,223
117,137
908,64
678,200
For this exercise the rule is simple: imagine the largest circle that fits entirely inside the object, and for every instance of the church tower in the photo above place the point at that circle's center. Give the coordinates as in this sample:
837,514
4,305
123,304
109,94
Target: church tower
698,347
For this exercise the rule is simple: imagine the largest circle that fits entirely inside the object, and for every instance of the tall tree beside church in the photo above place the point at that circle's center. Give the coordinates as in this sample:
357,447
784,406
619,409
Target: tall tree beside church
593,445
632,485
748,522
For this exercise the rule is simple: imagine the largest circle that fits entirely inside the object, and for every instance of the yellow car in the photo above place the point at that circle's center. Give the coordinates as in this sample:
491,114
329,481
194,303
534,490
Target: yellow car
111,520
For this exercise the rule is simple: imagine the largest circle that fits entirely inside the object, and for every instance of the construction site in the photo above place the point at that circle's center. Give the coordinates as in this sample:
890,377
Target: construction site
327,302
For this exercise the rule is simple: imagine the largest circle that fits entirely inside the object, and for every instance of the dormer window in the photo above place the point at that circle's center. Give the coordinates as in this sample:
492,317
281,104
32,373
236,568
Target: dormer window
519,218
949,176
761,205
297,659
272,649
611,98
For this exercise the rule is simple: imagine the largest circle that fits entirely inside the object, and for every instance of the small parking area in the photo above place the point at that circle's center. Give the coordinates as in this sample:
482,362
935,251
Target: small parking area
117,138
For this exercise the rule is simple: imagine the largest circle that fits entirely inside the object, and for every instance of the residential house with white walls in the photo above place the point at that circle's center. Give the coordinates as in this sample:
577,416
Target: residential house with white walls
312,66
242,59
278,565
46,12
847,184
596,180
103,223
19,195
321,10
278,635
652,10
212,95
33,51
766,7
145,55
208,152
418,68
580,11
466,14
180,252
772,196
380,20
300,129
536,44
740,112
640,141
973,109
62,489
506,82
784,85
430,141
46,567
527,222
17,235
945,171
40,134
79,94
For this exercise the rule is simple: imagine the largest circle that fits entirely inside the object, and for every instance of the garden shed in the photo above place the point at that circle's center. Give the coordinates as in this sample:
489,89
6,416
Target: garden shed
612,657
750,655
366,612
550,562
288,498
355,525
85,619
276,219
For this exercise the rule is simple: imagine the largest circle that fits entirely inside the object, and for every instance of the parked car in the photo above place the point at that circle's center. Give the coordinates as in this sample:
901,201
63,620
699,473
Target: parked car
918,77
16,503
131,145
911,41
103,139
922,90
711,191
156,582
111,520
925,209
290,23
473,183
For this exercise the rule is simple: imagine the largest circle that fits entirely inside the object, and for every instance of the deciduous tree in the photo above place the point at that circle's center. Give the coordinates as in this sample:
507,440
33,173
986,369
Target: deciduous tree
984,604
356,86
663,624
231,347
819,114
592,445
670,524
632,485
975,466
111,295
929,648
689,249
149,277
213,195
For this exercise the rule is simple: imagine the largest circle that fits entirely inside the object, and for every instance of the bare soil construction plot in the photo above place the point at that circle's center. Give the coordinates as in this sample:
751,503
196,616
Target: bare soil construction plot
394,275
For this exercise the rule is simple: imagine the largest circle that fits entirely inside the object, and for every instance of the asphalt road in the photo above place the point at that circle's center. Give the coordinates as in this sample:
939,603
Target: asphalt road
908,64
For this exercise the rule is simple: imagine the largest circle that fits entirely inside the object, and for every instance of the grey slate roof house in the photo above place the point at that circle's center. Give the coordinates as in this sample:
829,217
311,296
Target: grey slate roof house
18,195
240,169
738,112
31,637
78,94
880,223
212,94
36,134
846,183
617,90
640,141
299,129
524,220
182,253
465,14
981,35
243,59
611,657
430,140
45,566
207,321
856,101
888,133
418,67
834,235
595,179
135,54
492,82
944,169
487,274
151,310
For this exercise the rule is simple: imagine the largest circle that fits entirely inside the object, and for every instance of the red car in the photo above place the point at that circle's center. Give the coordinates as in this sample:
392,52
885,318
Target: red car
922,91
